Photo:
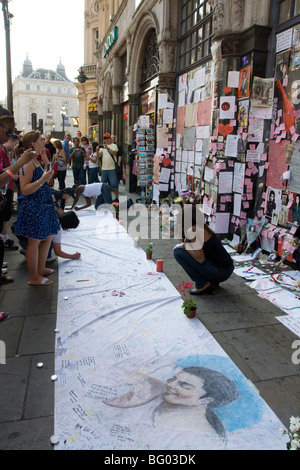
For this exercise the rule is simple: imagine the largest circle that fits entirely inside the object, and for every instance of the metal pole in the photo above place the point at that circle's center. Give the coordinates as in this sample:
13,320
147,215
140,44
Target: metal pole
7,17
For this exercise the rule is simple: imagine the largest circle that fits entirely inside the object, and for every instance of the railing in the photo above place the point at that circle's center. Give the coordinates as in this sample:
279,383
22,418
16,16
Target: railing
89,70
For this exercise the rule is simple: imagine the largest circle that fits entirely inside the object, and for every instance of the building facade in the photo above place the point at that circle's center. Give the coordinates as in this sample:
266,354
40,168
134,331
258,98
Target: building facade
44,92
220,83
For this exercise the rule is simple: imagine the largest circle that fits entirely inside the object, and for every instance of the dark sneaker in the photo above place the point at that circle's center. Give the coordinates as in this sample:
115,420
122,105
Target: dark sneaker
10,246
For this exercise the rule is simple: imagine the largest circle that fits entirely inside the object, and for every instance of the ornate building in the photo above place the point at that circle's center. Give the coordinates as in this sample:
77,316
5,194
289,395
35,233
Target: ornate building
44,92
205,58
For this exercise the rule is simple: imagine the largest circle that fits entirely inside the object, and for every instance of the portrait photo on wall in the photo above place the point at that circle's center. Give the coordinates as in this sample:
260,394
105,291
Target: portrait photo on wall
295,56
288,94
244,83
282,66
274,202
283,215
262,92
294,212
243,113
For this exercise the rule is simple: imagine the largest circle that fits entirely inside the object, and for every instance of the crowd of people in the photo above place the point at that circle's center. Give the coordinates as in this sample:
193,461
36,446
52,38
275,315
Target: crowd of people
33,162
29,165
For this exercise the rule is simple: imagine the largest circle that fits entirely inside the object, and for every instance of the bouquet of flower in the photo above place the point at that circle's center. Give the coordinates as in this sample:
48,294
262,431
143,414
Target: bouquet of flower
116,206
293,433
187,197
188,304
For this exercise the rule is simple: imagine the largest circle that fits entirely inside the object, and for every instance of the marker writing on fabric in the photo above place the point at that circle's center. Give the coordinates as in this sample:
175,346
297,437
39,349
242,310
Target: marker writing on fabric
83,280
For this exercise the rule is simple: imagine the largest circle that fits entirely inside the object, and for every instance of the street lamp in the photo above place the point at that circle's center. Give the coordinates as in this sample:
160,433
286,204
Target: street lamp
63,113
7,17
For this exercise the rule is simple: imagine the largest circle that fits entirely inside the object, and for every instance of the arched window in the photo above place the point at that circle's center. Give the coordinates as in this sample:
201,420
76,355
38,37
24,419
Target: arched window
150,67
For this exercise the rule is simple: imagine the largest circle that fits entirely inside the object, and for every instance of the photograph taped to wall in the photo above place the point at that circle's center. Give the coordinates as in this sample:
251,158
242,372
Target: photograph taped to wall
244,83
295,57
294,209
274,201
243,113
262,92
282,65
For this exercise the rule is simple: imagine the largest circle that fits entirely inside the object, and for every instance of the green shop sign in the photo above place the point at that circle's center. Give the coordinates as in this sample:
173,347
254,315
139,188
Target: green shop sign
112,38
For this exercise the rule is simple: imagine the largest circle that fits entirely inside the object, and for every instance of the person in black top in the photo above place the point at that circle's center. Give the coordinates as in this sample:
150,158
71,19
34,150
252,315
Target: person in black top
203,257
50,146
61,197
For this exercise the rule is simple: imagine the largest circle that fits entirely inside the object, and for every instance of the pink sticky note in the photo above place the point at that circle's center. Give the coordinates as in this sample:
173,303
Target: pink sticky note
264,157
246,205
295,137
293,230
260,214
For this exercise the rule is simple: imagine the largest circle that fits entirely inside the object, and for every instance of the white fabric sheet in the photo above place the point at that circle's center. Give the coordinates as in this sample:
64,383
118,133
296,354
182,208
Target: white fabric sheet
127,359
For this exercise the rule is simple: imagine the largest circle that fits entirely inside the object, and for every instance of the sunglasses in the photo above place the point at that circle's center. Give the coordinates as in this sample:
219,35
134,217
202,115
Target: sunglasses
9,132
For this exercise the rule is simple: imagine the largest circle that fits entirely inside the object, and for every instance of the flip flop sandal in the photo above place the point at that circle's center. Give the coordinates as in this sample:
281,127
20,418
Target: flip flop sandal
51,271
44,282
6,279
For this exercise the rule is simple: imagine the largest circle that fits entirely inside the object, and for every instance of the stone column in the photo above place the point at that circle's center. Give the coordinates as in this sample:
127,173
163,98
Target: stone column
117,114
134,108
167,66
107,121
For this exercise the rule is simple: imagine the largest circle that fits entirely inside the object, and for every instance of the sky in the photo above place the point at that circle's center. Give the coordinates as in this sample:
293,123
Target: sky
48,31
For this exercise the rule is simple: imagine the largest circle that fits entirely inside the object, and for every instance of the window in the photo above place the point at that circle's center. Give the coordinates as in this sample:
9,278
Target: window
288,9
27,87
150,67
195,31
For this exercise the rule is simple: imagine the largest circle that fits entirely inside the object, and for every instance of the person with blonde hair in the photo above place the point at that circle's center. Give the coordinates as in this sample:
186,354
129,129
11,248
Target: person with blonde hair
37,219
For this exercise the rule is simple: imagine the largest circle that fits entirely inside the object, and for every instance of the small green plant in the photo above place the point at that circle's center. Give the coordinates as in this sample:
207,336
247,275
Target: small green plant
188,305
149,249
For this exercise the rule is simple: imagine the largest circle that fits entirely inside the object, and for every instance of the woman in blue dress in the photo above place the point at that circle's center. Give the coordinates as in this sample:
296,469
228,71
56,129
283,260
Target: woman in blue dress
37,219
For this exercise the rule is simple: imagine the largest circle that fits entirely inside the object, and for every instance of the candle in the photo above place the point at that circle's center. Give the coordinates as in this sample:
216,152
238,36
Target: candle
159,265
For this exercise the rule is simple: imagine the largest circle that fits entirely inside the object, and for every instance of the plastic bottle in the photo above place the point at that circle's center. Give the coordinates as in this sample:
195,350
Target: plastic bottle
143,197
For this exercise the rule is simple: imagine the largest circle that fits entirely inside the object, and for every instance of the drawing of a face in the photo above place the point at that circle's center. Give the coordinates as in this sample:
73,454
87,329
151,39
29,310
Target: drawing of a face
184,389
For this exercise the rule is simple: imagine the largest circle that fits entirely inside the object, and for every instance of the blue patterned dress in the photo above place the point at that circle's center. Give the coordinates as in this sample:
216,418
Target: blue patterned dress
37,217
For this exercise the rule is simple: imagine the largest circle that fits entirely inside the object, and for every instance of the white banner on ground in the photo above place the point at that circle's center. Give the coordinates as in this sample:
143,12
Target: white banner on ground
133,372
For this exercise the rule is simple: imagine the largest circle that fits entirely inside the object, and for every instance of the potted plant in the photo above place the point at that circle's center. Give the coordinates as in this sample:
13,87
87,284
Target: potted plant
189,306
149,251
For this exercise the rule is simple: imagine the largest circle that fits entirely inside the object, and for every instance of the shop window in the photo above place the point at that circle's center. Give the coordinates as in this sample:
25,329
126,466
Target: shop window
195,31
288,9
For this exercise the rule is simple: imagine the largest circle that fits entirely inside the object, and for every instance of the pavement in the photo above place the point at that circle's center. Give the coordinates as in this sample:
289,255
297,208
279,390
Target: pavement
243,324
